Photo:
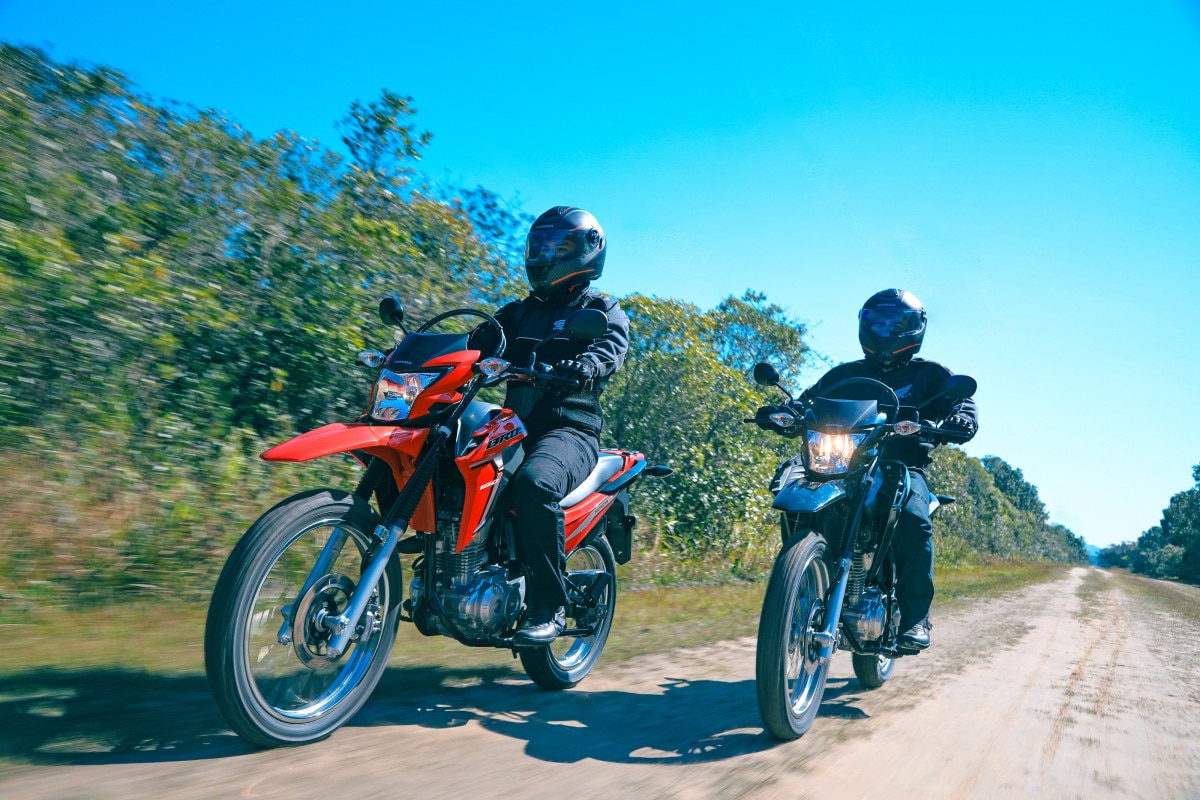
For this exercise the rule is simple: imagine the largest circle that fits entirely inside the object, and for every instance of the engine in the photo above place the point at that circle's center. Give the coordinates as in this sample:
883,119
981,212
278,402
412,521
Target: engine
867,615
481,599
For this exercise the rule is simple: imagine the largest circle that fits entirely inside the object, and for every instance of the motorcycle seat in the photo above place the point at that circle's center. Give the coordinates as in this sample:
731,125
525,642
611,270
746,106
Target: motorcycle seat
606,466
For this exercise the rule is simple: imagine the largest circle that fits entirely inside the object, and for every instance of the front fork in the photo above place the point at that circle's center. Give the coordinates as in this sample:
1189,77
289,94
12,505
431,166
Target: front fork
344,625
329,554
826,638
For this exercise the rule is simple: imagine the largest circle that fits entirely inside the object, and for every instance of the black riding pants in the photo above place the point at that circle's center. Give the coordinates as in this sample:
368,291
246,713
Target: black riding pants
555,463
913,550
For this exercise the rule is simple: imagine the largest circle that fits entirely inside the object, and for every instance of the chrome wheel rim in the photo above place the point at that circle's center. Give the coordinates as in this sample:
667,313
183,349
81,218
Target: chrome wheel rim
295,680
569,652
801,666
885,666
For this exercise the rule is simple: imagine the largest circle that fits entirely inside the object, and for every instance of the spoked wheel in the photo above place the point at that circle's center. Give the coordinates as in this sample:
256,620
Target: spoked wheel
789,678
872,671
566,661
266,641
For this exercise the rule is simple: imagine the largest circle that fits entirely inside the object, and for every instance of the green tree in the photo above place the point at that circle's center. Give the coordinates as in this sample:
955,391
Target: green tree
681,399
1011,481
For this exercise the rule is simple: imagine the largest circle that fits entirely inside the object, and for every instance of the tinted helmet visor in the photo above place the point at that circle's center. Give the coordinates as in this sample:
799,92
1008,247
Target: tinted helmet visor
548,247
888,323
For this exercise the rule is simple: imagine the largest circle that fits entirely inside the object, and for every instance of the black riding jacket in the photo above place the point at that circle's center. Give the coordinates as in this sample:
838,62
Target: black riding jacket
528,321
915,383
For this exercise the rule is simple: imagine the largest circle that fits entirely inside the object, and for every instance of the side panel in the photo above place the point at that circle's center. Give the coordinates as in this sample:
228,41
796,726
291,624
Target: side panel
808,498
582,517
481,467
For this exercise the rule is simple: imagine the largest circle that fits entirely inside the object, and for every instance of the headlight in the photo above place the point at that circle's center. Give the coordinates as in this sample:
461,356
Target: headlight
394,393
830,453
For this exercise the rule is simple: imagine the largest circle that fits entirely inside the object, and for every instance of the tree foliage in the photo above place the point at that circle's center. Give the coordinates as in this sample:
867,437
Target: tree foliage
177,292
681,399
1169,550
996,512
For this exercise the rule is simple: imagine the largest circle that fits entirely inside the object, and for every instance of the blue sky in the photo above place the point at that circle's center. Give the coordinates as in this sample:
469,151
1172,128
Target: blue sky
1031,172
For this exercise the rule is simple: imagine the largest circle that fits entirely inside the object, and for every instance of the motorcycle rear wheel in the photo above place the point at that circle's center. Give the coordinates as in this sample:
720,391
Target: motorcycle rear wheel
872,671
276,688
568,660
789,679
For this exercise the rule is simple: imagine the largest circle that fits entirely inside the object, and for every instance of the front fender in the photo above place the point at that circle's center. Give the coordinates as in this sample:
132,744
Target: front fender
800,497
338,437
399,447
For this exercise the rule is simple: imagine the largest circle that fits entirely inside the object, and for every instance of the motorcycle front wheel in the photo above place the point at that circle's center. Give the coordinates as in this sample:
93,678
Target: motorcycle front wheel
266,637
566,661
790,680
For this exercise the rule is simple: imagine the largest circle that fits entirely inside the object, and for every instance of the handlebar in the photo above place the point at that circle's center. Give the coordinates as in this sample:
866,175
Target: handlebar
926,432
541,375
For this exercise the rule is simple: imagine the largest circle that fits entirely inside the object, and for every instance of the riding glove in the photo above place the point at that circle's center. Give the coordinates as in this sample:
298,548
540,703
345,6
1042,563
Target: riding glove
581,371
958,423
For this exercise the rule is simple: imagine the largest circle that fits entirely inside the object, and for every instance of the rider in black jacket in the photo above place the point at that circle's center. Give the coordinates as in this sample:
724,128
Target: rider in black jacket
564,252
891,326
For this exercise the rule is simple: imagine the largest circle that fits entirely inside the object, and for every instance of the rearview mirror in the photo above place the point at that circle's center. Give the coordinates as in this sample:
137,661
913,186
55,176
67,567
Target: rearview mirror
960,387
391,311
765,374
587,323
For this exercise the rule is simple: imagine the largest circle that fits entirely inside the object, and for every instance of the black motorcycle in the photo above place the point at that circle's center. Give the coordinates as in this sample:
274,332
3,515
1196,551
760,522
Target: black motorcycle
840,501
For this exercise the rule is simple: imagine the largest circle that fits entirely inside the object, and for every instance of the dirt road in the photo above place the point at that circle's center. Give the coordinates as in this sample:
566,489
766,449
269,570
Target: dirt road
1076,688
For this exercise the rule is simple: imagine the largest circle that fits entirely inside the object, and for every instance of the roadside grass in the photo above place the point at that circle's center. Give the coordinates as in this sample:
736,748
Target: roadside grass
168,639
1178,598
966,582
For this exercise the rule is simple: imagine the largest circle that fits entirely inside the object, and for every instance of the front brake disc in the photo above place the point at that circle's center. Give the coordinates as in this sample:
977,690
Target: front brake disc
325,600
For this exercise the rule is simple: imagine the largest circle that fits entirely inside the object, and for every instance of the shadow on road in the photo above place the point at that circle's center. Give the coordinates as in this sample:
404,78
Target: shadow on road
96,717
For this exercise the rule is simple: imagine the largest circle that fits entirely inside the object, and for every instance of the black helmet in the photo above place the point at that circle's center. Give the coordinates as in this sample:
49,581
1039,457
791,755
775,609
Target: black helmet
891,326
565,247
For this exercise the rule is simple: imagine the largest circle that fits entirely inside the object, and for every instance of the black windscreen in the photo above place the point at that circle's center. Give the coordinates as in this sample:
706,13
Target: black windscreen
417,349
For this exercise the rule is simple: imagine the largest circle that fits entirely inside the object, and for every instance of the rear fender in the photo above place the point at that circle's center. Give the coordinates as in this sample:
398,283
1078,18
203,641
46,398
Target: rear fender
399,447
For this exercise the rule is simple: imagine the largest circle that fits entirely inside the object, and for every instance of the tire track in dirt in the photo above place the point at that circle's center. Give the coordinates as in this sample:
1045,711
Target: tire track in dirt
1073,686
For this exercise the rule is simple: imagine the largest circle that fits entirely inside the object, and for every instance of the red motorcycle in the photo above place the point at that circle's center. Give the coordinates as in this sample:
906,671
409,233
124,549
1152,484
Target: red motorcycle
306,609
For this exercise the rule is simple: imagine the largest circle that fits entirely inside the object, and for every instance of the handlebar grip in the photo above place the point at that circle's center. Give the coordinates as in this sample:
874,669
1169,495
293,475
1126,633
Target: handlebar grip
940,436
544,377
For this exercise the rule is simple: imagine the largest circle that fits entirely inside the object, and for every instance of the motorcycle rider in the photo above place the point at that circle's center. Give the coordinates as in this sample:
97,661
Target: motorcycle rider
564,253
891,327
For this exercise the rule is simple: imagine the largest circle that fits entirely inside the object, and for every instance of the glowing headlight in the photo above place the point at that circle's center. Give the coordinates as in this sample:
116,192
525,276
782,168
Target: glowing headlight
831,453
394,393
